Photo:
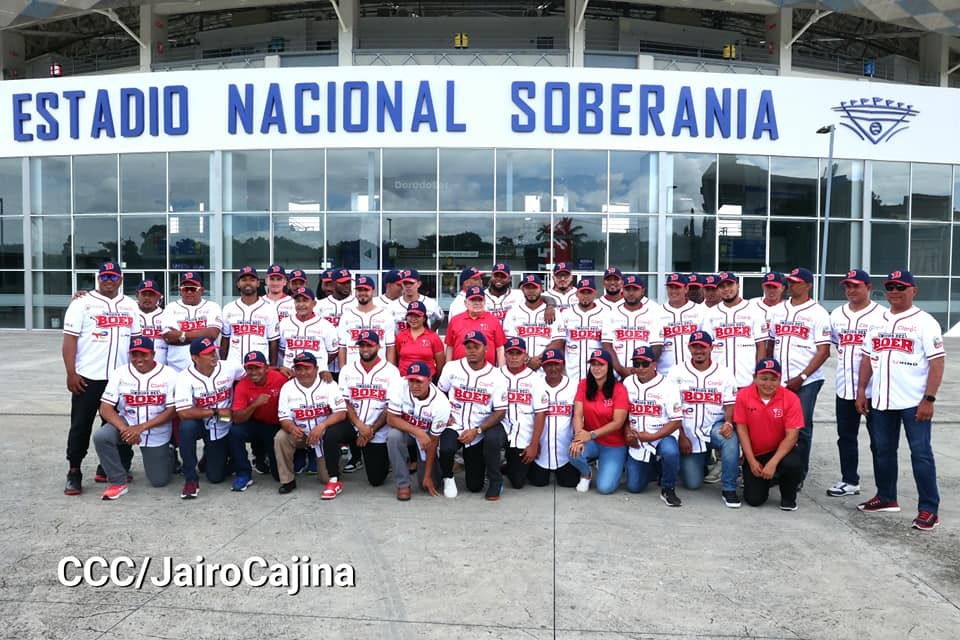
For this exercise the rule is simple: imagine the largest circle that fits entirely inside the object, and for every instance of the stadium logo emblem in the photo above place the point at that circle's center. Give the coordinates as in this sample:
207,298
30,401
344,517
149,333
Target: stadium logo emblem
876,119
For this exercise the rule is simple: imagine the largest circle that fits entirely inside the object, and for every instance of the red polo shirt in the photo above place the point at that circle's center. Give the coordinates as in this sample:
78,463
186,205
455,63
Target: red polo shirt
767,423
486,323
410,349
599,411
246,392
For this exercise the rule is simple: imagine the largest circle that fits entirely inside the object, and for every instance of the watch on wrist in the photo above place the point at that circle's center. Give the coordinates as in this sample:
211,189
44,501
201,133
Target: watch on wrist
593,435
930,398
803,377
479,430
183,337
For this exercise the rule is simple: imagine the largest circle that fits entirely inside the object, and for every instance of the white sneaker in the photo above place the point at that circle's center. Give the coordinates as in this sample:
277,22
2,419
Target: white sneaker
843,489
449,488
713,473
584,485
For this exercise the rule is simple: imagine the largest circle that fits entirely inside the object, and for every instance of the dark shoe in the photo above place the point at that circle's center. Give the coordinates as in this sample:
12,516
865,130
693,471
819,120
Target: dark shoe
202,464
731,499
99,477
287,487
669,497
260,466
355,464
493,492
788,505
876,505
74,480
190,490
926,521
403,493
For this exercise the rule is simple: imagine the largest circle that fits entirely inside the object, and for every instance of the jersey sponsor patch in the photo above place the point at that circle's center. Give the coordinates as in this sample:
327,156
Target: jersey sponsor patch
792,330
632,334
679,330
701,396
851,338
584,334
355,333
208,400
533,331
651,409
311,413
471,395
420,423
303,343
192,325
555,409
111,320
249,329
732,331
368,393
148,399
520,397
152,332
893,343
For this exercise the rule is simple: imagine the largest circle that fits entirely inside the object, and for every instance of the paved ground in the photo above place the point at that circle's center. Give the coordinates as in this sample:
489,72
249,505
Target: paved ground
541,563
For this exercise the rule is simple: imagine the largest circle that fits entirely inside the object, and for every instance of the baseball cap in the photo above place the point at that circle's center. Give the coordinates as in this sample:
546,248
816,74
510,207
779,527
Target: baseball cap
612,272
727,276
901,277
772,279
695,280
601,354
800,275
644,353
297,274
469,272
201,346
394,275
857,276
532,278
473,292
475,336
710,280
341,275
411,275
769,365
416,307
634,280
305,357
306,292
247,271
276,270
515,344
701,337
418,371
551,355
141,343
368,335
364,282
149,285
326,276
586,283
562,267
254,358
501,267
191,277
676,280
110,268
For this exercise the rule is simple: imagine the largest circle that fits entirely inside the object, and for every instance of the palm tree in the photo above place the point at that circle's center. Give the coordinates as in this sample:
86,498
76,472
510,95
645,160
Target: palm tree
566,235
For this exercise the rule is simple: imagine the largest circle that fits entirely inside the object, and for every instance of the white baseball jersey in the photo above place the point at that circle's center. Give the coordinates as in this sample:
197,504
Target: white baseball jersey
331,309
678,324
848,328
558,427
584,331
705,395
369,392
900,351
307,407
524,401
473,395
523,322
564,299
764,311
250,328
209,392
797,331
398,309
458,305
314,335
500,305
285,307
609,305
736,332
103,327
183,317
140,397
430,414
353,321
151,326
652,404
627,329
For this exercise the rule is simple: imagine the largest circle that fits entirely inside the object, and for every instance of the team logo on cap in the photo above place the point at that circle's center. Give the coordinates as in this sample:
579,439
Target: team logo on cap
368,336
251,356
895,274
139,343
876,119
246,271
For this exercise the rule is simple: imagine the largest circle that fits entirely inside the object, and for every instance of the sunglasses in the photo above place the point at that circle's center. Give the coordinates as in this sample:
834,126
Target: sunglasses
109,277
642,364
189,289
894,286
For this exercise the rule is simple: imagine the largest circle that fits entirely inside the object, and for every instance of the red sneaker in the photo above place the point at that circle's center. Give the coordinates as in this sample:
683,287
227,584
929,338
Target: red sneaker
190,489
926,521
332,490
876,505
114,491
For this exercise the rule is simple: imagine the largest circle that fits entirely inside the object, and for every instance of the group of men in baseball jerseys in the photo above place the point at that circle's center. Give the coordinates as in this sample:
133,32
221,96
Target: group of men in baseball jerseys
707,371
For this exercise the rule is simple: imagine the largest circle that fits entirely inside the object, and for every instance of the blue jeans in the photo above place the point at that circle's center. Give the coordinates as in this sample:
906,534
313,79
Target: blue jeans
215,452
886,438
848,431
610,461
639,474
808,400
691,466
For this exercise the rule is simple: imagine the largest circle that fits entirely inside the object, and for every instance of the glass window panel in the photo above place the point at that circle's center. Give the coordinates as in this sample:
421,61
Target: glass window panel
298,180
844,246
246,240
50,185
466,239
52,242
352,239
353,180
932,297
94,241
190,240
11,300
466,179
143,242
743,185
793,243
189,181
929,250
846,200
956,252
298,240
11,186
95,184
633,242
409,180
409,241
51,296
836,296
930,195
143,182
579,181
523,180
793,186
11,242
692,243
694,183
891,190
246,181
888,242
743,245
578,238
523,241
954,303
956,193
633,182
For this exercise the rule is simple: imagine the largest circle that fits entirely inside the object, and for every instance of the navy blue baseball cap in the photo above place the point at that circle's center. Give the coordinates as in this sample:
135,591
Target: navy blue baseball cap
141,343
326,276
633,280
727,276
201,346
305,292
801,275
501,267
769,365
149,285
772,279
901,277
369,336
701,337
676,280
586,283
551,355
644,353
191,278
417,308
856,276
417,370
276,270
305,357
601,354
297,274
394,275
695,280
365,282
532,278
562,267
473,292
469,272
341,275
515,344
110,269
254,358
475,336
247,271
612,272
710,280
411,275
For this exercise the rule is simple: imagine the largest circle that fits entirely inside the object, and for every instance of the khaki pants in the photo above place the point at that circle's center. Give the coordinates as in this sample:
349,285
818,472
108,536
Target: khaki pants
284,446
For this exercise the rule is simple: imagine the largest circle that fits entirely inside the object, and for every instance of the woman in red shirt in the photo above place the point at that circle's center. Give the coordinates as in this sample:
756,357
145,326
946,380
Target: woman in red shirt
418,343
599,414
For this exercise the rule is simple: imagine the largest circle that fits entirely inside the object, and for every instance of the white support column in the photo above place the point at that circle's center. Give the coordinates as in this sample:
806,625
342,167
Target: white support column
13,65
934,59
779,37
576,30
348,15
153,34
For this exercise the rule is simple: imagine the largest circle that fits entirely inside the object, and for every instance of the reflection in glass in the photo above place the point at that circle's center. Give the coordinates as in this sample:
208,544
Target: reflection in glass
143,182
409,241
466,179
298,240
692,243
246,180
956,194
50,185
891,190
353,180
52,242
633,182
930,194
954,317
11,242
298,180
523,180
579,181
793,186
466,239
95,184
888,243
11,300
929,249
846,200
844,246
353,239
694,183
742,247
932,296
246,241
409,180
51,295
190,181
190,240
143,242
11,186
521,241
633,242
743,185
94,241
794,243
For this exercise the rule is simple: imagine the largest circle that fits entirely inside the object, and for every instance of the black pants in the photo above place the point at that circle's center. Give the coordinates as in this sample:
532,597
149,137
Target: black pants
789,472
83,411
480,458
567,475
375,459
516,468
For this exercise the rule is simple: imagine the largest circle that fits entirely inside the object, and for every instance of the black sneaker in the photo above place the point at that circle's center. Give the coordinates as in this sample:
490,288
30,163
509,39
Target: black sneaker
355,464
669,497
788,505
287,487
731,499
74,480
260,466
493,492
